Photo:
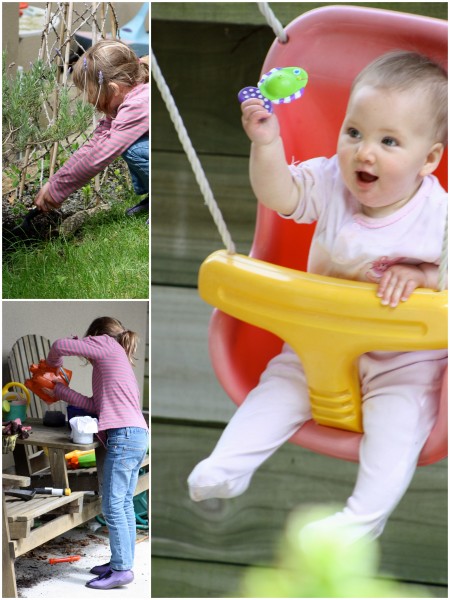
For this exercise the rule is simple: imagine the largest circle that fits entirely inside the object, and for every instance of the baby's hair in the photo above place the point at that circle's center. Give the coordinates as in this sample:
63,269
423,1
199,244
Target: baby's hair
410,71
114,328
108,61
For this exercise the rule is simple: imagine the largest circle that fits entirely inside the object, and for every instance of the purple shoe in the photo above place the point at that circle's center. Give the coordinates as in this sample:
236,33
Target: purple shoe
111,579
100,569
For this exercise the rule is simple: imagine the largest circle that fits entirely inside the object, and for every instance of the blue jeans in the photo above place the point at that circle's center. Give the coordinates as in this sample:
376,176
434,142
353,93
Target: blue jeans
125,450
137,159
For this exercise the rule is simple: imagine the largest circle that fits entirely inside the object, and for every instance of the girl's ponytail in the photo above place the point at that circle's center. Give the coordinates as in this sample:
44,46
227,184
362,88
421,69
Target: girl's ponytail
129,341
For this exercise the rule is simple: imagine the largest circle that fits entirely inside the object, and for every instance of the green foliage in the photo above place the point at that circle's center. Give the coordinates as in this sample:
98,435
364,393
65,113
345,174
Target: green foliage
322,562
25,95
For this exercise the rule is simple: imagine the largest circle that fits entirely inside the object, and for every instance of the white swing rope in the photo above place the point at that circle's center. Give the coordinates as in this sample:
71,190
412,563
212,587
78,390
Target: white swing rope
192,156
273,22
199,173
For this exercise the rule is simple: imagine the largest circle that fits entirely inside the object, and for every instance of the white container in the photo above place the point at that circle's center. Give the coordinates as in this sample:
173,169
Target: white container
83,429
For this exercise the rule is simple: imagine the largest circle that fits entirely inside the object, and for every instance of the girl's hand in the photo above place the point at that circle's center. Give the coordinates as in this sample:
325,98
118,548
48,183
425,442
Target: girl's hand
44,201
398,283
48,391
259,124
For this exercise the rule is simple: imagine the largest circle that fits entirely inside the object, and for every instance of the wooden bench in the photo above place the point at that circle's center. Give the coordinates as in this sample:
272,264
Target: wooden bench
21,532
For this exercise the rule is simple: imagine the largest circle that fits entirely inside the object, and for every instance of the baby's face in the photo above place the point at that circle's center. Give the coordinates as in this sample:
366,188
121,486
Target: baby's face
384,146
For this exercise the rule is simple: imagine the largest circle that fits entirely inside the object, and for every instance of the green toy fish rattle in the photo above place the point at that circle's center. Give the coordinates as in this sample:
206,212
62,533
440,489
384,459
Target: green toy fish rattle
280,85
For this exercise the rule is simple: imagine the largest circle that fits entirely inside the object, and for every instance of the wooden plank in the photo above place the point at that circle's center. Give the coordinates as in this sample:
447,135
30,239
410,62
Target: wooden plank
183,382
247,12
41,505
53,437
58,467
184,233
11,480
172,578
9,588
56,527
245,530
205,65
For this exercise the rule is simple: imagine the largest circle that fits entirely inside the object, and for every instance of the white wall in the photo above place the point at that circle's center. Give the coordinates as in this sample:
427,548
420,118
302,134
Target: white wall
56,319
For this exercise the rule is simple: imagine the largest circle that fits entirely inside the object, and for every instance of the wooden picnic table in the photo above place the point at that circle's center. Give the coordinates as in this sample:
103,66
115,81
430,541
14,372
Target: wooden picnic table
57,441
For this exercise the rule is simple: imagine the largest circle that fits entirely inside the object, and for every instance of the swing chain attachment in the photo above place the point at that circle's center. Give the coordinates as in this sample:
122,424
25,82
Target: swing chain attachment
273,22
194,161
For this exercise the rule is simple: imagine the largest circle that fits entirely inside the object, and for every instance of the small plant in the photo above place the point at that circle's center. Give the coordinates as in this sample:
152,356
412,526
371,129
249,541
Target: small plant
26,113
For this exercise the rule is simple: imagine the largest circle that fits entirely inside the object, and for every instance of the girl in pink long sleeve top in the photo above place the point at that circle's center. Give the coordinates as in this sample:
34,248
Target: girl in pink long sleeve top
110,348
116,83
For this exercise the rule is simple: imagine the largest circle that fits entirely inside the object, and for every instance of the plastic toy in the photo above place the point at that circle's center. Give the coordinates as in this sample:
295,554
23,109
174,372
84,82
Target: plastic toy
353,37
45,376
78,459
15,404
54,561
281,85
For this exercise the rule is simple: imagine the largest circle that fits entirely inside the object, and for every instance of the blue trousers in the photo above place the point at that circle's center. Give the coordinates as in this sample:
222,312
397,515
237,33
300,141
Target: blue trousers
125,450
137,159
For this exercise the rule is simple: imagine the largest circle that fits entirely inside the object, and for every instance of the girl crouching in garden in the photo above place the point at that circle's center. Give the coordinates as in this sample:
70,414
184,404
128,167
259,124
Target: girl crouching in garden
115,81
122,429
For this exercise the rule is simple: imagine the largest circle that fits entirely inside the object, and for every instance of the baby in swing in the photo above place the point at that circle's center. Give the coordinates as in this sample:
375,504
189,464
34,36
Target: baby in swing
380,217
115,81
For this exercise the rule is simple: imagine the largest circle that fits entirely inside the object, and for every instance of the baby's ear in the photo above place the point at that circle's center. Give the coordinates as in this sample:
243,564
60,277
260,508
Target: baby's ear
433,159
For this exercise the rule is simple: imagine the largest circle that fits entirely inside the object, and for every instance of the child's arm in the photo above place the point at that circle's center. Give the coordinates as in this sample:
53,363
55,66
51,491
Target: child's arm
85,347
270,177
72,397
399,281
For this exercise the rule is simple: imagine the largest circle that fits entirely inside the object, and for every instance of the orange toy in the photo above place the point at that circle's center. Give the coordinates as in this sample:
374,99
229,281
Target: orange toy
45,376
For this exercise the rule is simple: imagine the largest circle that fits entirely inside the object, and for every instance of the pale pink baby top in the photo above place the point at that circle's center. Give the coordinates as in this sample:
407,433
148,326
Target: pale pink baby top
115,392
351,245
110,139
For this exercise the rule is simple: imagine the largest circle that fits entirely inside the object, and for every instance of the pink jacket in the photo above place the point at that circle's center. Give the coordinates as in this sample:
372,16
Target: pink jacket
110,139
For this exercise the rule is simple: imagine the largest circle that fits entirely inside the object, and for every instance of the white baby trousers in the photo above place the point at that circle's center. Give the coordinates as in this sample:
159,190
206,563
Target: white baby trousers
400,402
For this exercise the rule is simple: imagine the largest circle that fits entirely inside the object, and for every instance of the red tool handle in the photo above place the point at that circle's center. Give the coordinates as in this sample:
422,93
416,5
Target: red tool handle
53,561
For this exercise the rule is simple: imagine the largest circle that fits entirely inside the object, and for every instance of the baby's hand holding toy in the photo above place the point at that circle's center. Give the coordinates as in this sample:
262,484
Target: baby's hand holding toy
44,378
278,86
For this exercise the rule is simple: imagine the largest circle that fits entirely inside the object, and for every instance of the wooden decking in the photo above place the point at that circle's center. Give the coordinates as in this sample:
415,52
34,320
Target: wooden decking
201,550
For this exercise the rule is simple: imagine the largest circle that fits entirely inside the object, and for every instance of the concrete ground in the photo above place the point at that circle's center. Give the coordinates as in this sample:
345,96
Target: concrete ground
36,578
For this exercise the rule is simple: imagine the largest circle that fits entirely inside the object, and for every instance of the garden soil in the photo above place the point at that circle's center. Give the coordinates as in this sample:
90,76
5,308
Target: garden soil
67,219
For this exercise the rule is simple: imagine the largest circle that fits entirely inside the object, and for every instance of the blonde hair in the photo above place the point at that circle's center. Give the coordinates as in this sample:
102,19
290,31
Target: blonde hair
410,71
108,61
114,328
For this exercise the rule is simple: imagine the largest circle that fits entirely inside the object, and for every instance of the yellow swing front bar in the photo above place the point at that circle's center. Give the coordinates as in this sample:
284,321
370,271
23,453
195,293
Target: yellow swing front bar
329,322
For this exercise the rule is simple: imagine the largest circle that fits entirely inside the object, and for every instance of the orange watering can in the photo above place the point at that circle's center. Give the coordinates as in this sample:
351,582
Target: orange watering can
45,376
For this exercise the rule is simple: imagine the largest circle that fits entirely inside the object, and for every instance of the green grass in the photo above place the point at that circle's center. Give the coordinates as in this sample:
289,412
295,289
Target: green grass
108,258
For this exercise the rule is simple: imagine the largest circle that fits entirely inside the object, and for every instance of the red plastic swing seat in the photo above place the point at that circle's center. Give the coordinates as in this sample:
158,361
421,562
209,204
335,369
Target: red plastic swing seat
332,44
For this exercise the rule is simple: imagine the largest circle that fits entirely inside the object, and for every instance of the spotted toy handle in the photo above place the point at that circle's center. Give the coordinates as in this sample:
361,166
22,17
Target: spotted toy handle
254,92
